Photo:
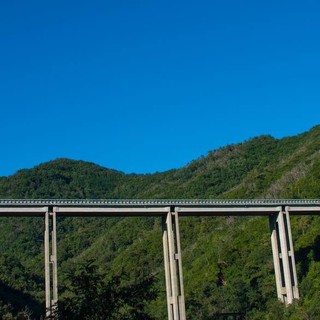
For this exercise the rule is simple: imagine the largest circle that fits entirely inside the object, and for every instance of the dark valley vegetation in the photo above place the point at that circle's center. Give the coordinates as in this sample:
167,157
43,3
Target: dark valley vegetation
112,268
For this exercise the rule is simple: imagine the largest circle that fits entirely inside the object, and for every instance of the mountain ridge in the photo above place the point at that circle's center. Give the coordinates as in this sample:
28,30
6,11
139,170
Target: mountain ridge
199,172
215,151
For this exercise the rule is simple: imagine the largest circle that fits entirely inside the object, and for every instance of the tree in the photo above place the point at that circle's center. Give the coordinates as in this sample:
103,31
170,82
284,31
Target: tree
89,296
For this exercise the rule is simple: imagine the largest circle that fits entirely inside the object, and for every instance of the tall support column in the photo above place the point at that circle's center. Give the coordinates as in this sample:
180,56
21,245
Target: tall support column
47,262
173,266
292,259
283,257
54,262
50,249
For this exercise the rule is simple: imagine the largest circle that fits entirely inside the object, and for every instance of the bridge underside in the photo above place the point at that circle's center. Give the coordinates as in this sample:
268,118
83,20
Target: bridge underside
278,212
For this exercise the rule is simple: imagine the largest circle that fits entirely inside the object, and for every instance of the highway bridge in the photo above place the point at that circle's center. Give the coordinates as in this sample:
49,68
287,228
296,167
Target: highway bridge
278,212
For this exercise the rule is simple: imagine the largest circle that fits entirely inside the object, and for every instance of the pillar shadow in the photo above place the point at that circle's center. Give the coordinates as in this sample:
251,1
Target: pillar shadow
305,255
19,300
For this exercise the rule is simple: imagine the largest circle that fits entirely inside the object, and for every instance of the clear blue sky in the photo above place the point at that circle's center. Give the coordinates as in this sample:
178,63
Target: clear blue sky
144,86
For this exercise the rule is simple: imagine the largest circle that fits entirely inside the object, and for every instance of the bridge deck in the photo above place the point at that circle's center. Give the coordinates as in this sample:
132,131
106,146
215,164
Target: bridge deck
156,207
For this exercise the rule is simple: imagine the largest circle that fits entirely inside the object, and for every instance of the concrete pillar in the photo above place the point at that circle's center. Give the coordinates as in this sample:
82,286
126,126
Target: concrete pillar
47,263
53,261
50,254
292,260
283,257
173,266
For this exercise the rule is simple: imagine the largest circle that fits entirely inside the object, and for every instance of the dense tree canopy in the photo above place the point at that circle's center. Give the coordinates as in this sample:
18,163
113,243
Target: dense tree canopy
227,261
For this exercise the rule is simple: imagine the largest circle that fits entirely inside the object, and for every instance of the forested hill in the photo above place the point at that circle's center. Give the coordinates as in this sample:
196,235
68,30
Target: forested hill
262,167
227,261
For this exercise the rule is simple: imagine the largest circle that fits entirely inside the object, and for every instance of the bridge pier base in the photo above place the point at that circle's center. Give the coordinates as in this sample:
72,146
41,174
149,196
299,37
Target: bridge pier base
50,254
283,256
173,266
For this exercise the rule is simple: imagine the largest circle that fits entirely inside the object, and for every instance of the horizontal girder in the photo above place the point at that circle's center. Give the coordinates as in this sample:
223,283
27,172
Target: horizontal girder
156,207
158,202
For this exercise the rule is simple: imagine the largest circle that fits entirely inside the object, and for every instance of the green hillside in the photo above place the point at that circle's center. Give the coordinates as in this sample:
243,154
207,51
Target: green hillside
227,261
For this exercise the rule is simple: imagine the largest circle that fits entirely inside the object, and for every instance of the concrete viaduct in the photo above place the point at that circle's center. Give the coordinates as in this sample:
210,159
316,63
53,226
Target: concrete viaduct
277,211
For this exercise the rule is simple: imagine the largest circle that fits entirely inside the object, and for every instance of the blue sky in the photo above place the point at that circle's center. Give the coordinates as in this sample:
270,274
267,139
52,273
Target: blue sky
145,86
